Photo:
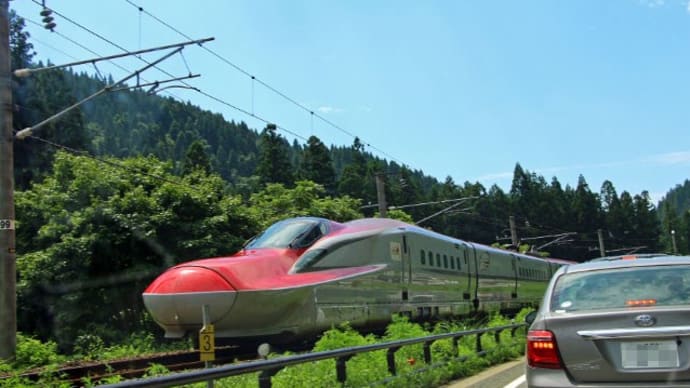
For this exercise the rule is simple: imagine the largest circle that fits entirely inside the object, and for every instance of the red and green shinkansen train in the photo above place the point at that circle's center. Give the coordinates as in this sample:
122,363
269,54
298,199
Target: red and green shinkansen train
303,275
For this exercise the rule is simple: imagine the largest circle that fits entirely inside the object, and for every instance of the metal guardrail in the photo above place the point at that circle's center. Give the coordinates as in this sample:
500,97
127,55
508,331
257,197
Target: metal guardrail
269,368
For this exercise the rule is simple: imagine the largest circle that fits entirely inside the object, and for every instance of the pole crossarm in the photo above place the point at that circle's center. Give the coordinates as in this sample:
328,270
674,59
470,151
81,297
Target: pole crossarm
453,206
431,203
108,88
627,250
155,84
558,238
27,71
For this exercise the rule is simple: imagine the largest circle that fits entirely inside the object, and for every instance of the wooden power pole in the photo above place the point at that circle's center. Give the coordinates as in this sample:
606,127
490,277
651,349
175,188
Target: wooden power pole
8,266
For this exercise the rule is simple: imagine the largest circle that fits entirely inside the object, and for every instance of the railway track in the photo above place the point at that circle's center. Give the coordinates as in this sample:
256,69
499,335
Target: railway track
78,375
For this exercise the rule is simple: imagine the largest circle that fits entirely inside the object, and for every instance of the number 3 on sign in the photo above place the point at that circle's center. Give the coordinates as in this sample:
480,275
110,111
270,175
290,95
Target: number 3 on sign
207,343
6,224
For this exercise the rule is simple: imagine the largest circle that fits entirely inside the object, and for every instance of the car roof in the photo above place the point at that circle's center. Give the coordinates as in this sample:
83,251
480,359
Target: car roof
626,261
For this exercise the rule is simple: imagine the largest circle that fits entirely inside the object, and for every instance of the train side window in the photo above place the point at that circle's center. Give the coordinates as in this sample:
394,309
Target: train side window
445,261
458,263
452,262
422,256
438,260
431,259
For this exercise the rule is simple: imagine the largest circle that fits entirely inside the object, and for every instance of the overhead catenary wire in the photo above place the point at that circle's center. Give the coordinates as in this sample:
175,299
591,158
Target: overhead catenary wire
266,121
265,84
100,37
217,99
90,51
229,63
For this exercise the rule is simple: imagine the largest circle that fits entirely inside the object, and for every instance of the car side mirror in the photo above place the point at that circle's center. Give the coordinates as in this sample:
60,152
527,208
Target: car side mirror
529,318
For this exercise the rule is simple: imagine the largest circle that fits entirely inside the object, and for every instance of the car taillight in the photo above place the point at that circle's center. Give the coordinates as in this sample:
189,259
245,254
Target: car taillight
542,351
640,302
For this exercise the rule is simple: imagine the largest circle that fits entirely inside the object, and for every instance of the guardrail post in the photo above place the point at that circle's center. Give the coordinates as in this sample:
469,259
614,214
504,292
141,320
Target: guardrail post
390,357
479,342
513,330
341,368
427,352
455,345
265,377
497,336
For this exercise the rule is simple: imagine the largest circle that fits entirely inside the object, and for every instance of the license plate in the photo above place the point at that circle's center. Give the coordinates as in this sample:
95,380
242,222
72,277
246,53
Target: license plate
649,354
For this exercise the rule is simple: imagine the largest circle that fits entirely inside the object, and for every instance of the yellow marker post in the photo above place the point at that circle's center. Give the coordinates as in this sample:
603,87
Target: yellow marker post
207,343
207,340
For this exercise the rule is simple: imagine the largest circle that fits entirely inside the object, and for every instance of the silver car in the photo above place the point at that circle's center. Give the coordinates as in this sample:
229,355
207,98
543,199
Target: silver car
613,322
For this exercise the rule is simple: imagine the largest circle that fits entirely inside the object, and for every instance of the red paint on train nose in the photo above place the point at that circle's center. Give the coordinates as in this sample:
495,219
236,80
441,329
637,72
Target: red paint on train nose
175,298
189,279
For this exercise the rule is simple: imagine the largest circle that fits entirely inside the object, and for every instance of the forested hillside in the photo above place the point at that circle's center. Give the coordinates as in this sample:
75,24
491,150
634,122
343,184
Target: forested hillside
144,181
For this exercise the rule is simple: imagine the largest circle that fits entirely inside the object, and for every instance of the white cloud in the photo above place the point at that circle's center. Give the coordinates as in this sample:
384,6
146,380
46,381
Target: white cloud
329,109
494,176
652,3
680,157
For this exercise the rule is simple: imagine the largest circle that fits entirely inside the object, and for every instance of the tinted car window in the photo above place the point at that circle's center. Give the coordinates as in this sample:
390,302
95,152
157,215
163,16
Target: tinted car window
606,289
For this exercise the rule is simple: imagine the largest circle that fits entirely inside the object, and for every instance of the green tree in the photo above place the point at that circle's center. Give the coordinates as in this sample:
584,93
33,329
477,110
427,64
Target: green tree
671,222
587,208
21,50
316,164
276,202
274,160
353,180
646,225
196,158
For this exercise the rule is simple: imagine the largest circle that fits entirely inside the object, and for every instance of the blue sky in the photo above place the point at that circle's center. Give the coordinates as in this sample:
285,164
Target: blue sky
464,89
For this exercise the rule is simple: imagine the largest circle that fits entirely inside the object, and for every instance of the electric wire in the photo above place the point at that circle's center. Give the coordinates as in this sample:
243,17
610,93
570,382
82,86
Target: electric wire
104,39
250,114
171,75
224,60
266,85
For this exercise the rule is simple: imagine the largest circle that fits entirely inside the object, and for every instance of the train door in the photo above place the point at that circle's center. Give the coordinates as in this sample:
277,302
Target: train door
472,275
514,261
406,268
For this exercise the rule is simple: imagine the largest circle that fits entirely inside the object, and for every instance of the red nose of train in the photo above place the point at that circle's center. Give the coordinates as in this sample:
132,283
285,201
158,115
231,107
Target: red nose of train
176,298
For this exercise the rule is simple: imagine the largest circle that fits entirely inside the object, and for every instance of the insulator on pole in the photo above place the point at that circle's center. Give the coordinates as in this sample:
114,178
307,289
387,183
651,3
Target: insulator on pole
48,22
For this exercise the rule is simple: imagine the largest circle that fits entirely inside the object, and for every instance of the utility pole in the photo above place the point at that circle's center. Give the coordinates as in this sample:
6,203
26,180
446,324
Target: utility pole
673,240
381,194
602,251
513,232
8,267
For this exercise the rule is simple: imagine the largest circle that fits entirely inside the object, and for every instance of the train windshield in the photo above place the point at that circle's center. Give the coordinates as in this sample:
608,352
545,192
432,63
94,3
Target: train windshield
291,233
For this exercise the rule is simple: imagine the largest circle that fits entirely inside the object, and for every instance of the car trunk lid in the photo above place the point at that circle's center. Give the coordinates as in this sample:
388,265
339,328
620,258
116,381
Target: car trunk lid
636,345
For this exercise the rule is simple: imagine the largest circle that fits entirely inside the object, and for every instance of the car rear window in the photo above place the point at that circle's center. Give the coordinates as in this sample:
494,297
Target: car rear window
621,288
